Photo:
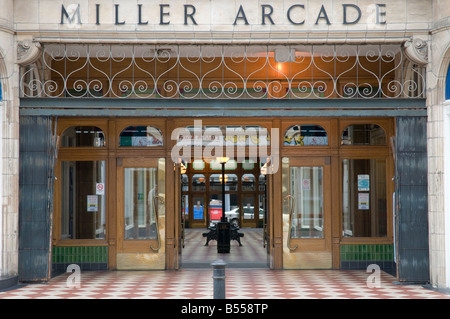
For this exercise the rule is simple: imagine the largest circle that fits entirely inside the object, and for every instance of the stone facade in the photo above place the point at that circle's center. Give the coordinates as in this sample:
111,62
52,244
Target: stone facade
149,21
9,147
438,144
224,22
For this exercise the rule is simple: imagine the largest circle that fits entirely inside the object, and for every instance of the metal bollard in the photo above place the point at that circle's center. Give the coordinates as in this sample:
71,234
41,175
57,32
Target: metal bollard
219,278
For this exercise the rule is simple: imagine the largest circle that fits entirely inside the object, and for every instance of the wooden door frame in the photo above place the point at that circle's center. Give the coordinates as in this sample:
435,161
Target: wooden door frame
308,244
130,245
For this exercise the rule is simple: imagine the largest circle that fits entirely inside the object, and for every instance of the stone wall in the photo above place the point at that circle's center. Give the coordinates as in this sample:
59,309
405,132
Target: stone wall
222,21
9,147
438,156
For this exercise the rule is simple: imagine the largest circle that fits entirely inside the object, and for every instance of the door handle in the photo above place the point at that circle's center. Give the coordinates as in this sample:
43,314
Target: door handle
183,224
155,205
264,228
291,209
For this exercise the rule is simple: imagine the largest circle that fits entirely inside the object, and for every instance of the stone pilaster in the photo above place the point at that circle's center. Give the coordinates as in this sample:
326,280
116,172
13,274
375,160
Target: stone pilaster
9,149
438,142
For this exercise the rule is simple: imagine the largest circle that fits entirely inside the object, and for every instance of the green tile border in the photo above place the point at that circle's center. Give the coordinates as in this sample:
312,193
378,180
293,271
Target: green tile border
363,252
80,254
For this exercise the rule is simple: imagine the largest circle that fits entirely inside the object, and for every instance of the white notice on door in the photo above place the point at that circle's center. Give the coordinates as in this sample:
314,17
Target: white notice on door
92,203
100,189
363,201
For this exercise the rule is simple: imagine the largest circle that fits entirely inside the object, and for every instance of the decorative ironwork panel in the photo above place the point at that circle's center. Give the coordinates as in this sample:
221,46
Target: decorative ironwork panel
227,71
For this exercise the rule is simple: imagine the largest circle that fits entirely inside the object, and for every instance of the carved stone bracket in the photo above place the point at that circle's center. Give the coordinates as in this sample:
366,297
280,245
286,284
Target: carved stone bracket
28,51
416,50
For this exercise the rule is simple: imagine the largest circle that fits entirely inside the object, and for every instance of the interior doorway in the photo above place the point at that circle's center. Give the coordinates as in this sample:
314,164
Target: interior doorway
245,196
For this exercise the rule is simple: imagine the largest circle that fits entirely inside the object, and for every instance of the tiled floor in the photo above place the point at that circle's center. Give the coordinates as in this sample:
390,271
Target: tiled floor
247,277
240,284
251,254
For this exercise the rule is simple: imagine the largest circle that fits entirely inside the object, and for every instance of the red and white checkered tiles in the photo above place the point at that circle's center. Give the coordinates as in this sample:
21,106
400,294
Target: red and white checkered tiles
251,254
240,284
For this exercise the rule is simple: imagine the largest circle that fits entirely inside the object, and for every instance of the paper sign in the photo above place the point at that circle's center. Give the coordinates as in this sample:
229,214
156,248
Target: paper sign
92,203
363,201
306,184
363,183
100,189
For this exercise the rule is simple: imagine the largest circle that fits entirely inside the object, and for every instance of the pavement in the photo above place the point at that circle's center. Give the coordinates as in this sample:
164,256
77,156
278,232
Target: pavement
240,283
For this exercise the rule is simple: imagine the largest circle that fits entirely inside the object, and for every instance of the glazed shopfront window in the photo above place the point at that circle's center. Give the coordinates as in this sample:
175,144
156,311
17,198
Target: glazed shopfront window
83,136
364,198
83,199
363,134
305,135
141,136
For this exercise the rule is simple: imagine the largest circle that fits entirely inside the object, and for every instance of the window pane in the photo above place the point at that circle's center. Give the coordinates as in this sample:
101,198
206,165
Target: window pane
198,165
262,182
82,206
141,136
364,198
307,213
363,134
215,182
248,182
261,209
185,209
248,165
306,135
83,136
140,191
248,207
184,183
231,208
230,165
198,182
199,207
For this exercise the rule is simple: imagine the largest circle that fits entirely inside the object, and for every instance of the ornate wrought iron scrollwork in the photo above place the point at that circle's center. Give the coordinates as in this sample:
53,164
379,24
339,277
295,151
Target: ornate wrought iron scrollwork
225,71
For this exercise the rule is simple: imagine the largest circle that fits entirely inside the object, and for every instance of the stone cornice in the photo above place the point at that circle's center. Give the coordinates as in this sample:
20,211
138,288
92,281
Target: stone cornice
223,37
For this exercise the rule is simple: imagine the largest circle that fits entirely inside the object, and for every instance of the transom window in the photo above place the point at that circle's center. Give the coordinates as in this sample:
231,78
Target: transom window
363,134
141,136
83,136
305,135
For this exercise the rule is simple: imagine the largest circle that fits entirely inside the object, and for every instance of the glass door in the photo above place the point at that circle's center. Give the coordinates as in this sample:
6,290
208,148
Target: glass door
306,213
141,213
198,206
